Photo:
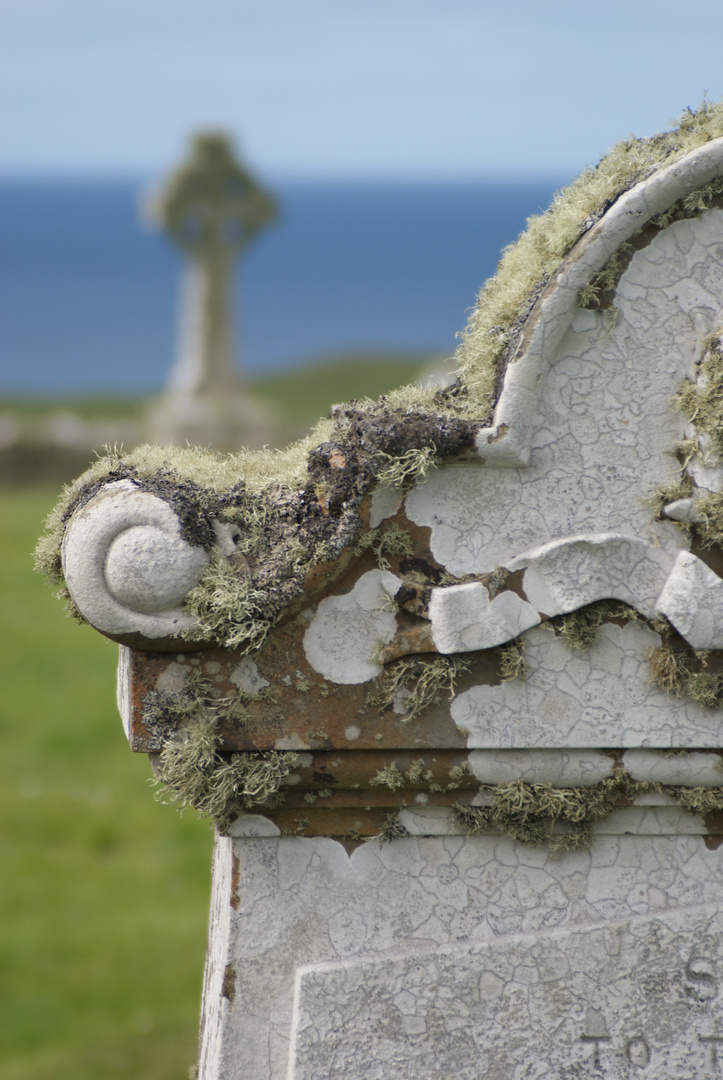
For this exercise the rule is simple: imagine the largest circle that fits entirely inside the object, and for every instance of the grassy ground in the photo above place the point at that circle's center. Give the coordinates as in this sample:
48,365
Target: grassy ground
103,892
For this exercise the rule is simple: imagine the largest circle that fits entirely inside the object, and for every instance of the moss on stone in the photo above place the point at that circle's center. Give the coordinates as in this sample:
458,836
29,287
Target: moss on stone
528,264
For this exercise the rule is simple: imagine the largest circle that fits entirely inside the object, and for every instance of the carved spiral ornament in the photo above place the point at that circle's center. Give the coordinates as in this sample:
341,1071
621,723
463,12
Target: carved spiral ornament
126,565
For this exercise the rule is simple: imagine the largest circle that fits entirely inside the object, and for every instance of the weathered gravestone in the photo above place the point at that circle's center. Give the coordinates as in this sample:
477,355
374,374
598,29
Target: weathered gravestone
483,625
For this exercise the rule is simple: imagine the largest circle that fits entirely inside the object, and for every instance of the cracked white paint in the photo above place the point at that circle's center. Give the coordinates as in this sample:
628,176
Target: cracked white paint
385,503
599,424
463,617
561,768
590,1001
331,953
687,769
346,630
567,574
693,601
599,698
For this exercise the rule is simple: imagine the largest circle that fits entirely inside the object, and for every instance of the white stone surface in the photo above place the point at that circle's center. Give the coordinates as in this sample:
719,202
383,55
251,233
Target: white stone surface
604,942
631,997
687,769
693,601
599,698
346,630
685,510
463,617
568,574
599,424
385,502
562,768
254,826
126,565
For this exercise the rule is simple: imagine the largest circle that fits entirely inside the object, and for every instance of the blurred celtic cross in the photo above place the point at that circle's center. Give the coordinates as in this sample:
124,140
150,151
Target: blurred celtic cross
211,208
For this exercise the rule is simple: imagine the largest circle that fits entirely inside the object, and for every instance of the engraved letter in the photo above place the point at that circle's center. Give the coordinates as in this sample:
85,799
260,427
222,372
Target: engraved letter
714,1040
637,1051
596,1039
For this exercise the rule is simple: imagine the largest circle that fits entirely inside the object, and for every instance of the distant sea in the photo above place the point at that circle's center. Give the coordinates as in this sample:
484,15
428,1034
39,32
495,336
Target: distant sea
89,294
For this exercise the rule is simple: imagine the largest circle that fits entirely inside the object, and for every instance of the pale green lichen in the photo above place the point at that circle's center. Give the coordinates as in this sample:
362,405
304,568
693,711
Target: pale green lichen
681,671
511,664
415,683
390,776
391,540
593,293
193,772
403,470
560,819
580,629
702,400
227,608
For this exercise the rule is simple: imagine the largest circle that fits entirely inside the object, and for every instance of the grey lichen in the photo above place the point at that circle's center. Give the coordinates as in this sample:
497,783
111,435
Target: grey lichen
392,829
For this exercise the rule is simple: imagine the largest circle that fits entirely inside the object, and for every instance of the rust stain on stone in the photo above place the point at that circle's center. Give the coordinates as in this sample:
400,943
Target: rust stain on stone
228,989
235,881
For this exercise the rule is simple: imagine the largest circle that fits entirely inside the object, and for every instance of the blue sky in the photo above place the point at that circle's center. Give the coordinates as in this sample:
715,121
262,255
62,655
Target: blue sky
432,89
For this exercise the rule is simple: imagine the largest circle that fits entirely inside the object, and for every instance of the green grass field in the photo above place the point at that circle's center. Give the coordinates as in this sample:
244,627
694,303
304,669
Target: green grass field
103,892
104,896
